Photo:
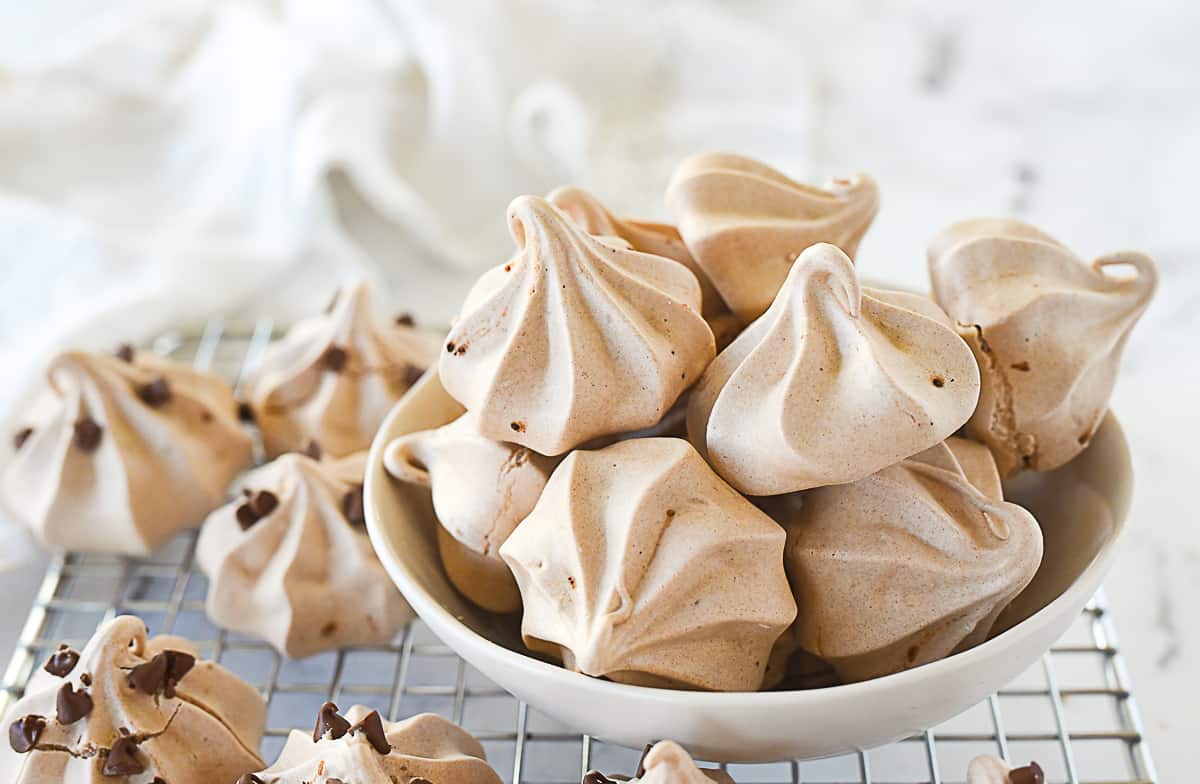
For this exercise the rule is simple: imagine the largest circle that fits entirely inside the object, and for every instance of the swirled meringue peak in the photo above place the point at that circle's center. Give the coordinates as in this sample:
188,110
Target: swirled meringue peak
481,490
639,564
288,560
661,239
121,452
903,567
1047,328
745,222
128,708
986,769
831,384
666,762
333,377
363,748
574,338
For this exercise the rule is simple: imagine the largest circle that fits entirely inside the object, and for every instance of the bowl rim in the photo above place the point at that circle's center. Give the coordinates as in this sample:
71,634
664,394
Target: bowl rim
425,605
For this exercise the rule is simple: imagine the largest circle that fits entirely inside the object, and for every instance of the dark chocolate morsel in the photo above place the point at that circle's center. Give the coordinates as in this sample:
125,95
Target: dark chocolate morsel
405,320
596,777
335,358
245,412
1030,774
250,778
312,449
330,722
371,726
87,434
62,661
258,504
162,673
155,394
124,352
122,758
352,506
72,705
21,436
23,734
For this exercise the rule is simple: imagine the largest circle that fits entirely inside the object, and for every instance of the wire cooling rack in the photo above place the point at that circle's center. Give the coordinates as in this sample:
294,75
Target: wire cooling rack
1073,712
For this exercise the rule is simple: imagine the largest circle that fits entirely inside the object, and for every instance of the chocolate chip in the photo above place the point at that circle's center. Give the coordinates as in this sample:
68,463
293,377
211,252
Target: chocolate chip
330,722
162,673
938,381
72,705
312,449
641,768
23,734
244,412
450,347
372,727
405,320
21,436
122,759
258,504
87,434
85,678
124,352
518,427
250,778
1030,774
155,394
352,506
62,661
335,358
596,777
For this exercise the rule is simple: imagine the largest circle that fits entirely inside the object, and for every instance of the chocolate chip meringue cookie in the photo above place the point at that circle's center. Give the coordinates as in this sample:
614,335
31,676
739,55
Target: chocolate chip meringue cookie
362,747
666,762
745,222
1047,328
903,567
128,708
121,452
334,377
288,560
481,490
639,564
986,769
574,338
831,384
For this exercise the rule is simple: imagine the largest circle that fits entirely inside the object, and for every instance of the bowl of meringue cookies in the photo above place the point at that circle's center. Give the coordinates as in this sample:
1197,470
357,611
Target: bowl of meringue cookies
701,482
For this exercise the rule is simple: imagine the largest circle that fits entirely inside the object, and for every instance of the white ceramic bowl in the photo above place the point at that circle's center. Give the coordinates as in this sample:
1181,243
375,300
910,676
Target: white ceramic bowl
1081,508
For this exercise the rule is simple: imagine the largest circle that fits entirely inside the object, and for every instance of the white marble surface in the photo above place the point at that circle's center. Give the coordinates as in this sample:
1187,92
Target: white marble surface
1083,118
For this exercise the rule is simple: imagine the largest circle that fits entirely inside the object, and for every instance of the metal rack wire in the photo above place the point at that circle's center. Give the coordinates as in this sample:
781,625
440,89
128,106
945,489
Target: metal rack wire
1074,712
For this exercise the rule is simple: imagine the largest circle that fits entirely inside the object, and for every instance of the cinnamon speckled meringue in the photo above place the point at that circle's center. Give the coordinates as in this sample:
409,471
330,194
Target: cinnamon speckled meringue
639,564
661,239
481,490
120,453
903,567
289,561
1047,328
666,762
574,338
745,222
986,769
831,384
333,377
128,708
361,747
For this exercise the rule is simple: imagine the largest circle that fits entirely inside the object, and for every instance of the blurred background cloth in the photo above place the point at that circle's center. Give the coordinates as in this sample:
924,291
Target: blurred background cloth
164,160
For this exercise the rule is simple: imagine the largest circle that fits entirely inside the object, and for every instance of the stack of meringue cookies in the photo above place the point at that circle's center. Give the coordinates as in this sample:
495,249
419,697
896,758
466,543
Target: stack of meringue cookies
702,456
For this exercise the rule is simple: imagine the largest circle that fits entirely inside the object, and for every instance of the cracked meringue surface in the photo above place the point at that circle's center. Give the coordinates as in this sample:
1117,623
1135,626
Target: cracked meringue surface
130,708
641,565
745,222
333,377
833,383
121,452
289,561
574,338
1047,329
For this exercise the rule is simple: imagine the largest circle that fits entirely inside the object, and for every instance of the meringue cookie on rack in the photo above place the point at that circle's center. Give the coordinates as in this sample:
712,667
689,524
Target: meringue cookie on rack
575,337
334,377
666,762
128,706
903,567
1047,328
481,489
745,222
289,561
121,452
986,769
362,747
831,384
640,565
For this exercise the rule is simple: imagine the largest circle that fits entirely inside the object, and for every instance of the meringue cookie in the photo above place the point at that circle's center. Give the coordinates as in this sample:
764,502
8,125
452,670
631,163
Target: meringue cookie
289,560
831,384
666,762
978,465
120,453
481,490
333,378
661,239
129,706
745,222
639,564
1047,328
986,769
574,338
903,567
361,747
